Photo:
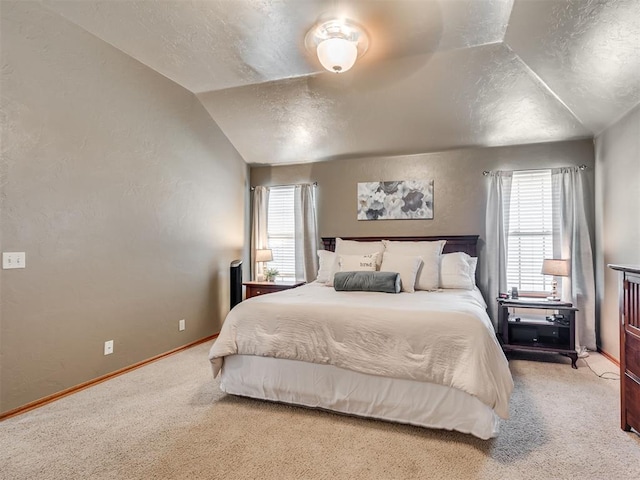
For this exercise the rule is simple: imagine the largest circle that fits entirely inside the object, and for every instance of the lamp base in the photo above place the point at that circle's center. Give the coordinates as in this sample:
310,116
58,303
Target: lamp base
554,291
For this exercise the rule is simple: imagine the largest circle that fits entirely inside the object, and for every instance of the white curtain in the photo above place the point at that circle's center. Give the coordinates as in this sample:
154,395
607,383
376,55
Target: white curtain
571,240
306,233
259,211
494,274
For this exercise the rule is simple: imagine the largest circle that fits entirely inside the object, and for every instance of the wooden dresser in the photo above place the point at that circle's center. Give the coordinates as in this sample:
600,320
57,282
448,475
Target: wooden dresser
629,346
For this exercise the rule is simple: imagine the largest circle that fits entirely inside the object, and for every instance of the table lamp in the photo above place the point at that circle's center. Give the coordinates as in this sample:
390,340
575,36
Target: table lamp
557,268
263,255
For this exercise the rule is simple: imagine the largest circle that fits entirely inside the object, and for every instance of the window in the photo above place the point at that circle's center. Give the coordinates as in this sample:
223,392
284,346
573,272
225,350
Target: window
530,237
281,231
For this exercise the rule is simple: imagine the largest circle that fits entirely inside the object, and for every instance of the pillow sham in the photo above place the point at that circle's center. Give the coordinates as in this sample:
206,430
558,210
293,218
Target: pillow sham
353,247
386,282
353,263
456,271
405,265
473,263
429,274
326,259
413,248
356,263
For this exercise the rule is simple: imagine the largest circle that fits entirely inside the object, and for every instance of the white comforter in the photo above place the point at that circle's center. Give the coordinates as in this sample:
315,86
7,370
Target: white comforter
441,337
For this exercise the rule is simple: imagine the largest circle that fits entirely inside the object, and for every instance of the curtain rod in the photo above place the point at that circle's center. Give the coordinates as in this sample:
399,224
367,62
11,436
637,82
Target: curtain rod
581,167
315,184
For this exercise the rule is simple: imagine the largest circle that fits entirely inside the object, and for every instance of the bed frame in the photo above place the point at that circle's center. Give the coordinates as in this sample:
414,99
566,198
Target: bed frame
455,243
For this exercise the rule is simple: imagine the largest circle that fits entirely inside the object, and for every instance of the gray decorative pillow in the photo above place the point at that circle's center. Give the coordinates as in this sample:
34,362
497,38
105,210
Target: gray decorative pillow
386,282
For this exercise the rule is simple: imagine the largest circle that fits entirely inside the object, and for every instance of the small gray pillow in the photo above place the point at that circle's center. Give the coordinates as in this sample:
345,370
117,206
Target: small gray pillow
386,282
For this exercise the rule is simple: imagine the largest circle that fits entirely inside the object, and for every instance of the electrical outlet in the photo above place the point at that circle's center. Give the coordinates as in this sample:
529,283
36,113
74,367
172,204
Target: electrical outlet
13,260
108,347
181,325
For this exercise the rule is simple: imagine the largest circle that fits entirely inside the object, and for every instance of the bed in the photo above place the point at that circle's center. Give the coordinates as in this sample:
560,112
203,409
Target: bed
427,358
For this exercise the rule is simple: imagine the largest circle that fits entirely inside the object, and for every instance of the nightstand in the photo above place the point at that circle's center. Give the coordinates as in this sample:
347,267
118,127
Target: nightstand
261,288
538,325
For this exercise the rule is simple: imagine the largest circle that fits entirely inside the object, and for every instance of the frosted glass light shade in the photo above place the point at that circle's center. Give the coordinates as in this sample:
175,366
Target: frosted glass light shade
337,54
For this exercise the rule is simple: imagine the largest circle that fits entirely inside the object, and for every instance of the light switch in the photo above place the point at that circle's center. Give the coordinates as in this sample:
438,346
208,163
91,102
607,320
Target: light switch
13,260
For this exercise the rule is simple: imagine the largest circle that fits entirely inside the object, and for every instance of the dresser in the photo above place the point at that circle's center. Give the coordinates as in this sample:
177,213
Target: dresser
629,346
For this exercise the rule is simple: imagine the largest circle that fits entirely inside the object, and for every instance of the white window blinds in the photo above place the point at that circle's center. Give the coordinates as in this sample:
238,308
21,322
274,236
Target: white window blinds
530,231
281,231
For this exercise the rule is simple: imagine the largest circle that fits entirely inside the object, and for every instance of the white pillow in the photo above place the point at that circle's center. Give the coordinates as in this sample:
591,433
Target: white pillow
353,247
358,263
413,248
429,274
354,263
473,263
326,259
456,271
405,265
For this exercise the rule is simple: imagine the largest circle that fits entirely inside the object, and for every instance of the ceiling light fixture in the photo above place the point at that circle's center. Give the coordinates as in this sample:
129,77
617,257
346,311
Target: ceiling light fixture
338,44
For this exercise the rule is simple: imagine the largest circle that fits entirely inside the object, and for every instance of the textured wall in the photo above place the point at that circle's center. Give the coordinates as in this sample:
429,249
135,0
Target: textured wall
127,198
460,189
617,217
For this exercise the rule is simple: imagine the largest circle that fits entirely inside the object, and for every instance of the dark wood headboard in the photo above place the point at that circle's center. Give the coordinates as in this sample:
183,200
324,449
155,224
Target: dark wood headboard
455,243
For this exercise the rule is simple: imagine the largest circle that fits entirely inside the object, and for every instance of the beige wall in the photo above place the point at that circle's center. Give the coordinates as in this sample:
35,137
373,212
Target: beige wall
126,197
617,217
460,189
459,186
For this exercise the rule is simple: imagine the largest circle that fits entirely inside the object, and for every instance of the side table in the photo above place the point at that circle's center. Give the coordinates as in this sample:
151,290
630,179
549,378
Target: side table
528,330
254,289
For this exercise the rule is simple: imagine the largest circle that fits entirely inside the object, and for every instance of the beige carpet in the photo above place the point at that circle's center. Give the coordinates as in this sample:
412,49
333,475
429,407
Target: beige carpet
169,420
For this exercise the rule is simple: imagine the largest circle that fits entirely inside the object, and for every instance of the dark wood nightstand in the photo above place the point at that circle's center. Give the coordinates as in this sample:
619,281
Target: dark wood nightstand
260,288
528,330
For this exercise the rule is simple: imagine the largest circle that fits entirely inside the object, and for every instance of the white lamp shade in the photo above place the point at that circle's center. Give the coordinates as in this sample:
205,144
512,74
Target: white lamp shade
559,268
337,54
264,255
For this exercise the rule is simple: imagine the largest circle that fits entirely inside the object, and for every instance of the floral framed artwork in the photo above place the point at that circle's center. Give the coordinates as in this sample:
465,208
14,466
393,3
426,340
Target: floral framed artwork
398,200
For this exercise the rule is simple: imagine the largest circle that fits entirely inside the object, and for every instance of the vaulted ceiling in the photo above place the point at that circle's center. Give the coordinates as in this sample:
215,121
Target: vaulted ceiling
439,74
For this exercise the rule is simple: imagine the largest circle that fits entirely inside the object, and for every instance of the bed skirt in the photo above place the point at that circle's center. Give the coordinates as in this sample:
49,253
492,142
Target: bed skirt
332,388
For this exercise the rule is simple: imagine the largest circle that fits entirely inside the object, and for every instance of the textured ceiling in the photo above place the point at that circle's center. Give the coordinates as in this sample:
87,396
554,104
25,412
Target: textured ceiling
439,74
